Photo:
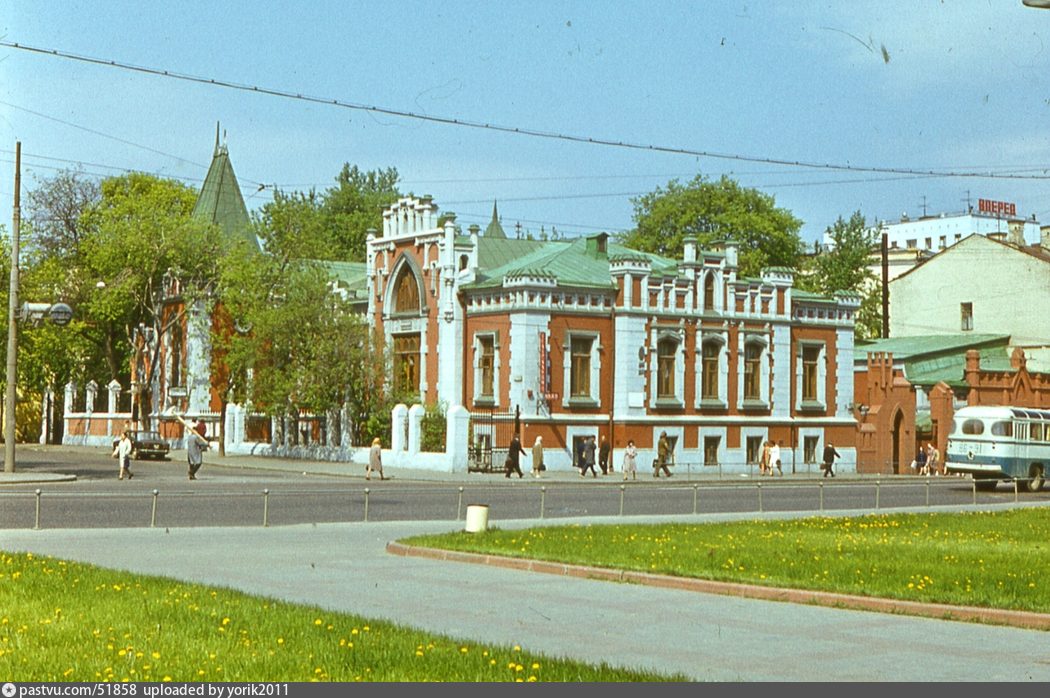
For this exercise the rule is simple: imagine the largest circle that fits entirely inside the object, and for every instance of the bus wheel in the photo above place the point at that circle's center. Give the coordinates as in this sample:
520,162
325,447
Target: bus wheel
1035,478
985,484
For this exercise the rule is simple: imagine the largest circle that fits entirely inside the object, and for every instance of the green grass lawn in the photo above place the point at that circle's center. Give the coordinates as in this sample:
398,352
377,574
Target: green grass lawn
988,559
65,621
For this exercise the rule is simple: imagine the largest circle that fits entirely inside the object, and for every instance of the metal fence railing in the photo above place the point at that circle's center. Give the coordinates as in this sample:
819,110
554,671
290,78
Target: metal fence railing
40,509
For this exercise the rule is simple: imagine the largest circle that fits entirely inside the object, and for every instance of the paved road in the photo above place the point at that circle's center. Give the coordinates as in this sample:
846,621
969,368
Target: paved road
232,494
345,567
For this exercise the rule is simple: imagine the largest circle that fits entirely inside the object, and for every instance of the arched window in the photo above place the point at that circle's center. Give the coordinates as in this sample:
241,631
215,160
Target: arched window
463,260
406,292
175,355
709,292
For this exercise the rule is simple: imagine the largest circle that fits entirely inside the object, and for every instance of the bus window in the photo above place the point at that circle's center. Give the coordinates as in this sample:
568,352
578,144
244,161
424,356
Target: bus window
1035,431
973,426
1002,429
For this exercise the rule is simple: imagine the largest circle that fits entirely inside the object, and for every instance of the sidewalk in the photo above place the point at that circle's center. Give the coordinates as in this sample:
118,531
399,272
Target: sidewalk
346,567
35,473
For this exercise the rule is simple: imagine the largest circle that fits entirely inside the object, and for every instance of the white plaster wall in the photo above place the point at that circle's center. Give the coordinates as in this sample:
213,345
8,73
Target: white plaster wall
629,336
198,359
524,368
843,386
1005,285
781,371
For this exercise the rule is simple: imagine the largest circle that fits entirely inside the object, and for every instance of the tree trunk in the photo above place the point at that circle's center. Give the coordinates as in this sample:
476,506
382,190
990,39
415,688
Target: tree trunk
222,428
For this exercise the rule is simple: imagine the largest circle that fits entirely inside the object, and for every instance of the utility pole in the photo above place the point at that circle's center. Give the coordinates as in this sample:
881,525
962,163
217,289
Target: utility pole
12,324
885,285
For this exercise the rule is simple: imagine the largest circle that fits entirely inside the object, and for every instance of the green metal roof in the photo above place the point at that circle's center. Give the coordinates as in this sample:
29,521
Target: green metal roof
496,252
904,348
574,262
351,277
220,201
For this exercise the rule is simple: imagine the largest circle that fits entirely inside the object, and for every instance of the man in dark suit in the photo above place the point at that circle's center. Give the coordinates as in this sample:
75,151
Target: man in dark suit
830,454
513,456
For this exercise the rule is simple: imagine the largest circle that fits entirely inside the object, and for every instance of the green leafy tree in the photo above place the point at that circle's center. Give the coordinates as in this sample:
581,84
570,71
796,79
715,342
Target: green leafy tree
292,343
713,211
155,261
354,205
844,266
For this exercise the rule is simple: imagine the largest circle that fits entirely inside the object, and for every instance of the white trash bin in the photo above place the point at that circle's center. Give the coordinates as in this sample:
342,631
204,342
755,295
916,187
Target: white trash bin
477,518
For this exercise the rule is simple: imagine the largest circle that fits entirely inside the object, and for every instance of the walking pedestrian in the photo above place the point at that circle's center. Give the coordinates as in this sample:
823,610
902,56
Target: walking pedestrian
123,454
588,458
537,457
630,466
763,461
514,453
830,454
933,459
603,457
196,444
919,464
774,459
375,460
663,456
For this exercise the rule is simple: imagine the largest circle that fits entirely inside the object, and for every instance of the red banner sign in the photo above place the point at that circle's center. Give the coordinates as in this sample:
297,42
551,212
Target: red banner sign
997,208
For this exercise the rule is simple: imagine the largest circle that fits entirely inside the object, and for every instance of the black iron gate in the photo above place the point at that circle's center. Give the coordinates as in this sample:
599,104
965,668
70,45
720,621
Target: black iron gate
490,435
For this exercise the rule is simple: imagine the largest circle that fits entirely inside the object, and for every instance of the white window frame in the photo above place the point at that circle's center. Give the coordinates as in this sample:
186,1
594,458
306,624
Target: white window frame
594,391
763,371
480,398
723,369
678,400
822,376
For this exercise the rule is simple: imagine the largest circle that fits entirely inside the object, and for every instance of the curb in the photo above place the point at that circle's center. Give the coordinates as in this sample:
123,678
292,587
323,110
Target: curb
1018,619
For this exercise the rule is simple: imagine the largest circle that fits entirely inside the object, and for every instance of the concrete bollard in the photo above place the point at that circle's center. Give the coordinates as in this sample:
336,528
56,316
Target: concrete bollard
477,518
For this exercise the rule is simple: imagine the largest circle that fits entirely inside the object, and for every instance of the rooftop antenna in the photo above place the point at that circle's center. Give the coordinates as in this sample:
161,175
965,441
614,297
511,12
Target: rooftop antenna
923,205
969,206
216,136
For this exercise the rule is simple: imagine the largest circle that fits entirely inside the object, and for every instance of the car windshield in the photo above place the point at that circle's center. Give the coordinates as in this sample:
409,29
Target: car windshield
148,435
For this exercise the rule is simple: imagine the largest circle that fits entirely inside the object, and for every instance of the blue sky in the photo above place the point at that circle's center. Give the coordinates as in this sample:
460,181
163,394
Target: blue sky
966,88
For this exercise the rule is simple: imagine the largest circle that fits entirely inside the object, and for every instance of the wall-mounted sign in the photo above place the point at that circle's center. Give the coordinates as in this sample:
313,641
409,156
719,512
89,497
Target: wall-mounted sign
997,208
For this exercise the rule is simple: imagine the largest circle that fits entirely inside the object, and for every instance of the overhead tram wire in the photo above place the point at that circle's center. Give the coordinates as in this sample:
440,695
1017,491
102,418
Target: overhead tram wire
522,131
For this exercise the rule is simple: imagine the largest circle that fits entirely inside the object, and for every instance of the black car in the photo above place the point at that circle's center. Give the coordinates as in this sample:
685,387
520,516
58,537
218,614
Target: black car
146,444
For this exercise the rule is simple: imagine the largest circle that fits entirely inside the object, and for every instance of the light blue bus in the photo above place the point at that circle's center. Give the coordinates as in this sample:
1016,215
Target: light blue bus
1000,443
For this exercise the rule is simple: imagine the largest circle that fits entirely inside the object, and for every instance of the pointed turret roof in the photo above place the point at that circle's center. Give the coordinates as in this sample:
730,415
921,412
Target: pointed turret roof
495,230
220,199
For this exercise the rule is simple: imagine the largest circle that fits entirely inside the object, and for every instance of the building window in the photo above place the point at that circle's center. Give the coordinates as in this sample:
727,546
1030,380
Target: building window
580,371
175,376
709,292
929,243
958,236
966,310
406,292
711,449
665,368
709,366
752,371
486,366
809,449
943,242
754,448
910,244
463,261
406,363
810,357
